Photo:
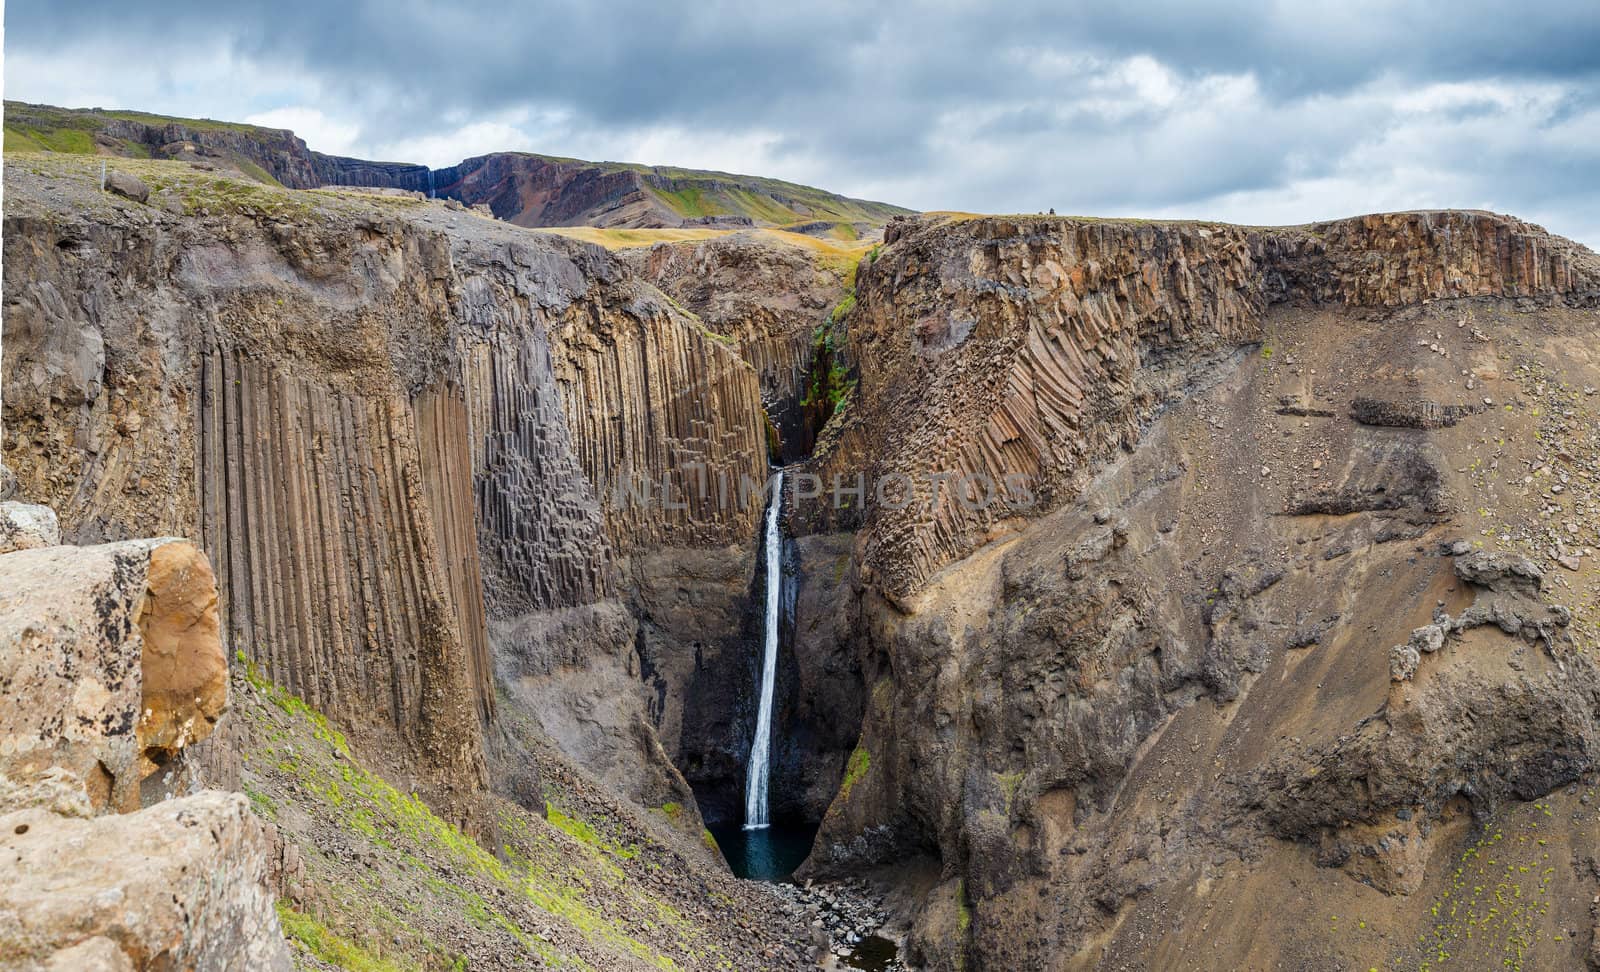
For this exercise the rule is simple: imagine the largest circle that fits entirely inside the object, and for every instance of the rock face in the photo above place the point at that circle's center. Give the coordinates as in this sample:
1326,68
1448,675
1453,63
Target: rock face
111,665
1219,593
769,295
1032,347
181,884
401,435
1155,699
79,629
25,526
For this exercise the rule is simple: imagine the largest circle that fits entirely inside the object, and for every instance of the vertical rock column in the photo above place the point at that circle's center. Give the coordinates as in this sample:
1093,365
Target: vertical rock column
336,554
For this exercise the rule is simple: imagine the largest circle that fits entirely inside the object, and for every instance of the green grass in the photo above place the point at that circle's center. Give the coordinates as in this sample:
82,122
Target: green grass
860,763
18,140
316,938
72,141
582,830
687,202
533,866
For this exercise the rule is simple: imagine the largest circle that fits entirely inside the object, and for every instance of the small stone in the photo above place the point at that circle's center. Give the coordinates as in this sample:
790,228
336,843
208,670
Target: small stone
1403,661
1570,561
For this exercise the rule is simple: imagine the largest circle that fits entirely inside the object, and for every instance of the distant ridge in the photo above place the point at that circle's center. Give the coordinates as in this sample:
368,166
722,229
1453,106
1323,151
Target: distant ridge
523,188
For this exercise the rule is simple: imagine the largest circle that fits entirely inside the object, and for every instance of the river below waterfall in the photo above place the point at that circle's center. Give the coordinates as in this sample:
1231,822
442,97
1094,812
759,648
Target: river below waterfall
768,854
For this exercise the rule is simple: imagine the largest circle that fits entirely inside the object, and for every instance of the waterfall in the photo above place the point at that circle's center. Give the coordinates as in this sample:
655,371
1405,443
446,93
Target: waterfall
430,181
755,790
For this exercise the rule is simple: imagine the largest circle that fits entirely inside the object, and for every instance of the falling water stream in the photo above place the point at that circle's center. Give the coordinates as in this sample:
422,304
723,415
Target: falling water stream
761,849
755,792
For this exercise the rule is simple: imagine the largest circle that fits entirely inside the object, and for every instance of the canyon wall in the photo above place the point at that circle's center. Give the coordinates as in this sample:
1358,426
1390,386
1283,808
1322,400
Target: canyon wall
1172,686
766,294
397,430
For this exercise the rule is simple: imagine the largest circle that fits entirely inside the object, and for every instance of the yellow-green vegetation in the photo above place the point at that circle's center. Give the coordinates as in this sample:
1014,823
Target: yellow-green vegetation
613,238
1008,786
840,256
315,937
582,830
45,128
198,191
964,907
854,770
829,381
693,194
1496,900
536,865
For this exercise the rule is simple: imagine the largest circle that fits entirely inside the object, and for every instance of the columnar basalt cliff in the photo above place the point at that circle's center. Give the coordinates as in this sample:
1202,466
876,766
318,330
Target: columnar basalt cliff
768,292
328,395
1017,348
1244,634
1203,582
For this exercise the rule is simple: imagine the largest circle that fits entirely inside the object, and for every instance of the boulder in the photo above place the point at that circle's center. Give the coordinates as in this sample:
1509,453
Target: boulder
127,186
184,670
26,526
8,482
180,885
76,624
1500,572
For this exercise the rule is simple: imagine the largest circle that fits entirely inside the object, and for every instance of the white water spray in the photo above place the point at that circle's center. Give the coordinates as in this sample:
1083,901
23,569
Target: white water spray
755,789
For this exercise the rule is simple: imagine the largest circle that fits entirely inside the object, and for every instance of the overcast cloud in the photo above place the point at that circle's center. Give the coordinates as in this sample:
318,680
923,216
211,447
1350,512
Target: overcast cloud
1249,112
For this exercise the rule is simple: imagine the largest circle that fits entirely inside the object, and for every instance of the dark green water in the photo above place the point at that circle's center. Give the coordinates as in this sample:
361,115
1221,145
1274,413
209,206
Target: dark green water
873,954
769,854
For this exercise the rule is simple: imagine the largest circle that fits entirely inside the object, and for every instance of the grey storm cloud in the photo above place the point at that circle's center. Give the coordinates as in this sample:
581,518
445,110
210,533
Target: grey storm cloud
1195,108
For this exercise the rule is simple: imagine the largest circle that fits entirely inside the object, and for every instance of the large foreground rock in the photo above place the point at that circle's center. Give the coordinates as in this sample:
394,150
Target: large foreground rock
110,661
180,885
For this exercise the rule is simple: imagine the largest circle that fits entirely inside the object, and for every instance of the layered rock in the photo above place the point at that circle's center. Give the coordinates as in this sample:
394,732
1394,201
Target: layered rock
1163,687
1018,347
1034,347
1392,259
767,294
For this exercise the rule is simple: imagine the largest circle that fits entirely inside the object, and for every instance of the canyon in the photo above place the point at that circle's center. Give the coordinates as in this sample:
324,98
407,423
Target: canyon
1154,594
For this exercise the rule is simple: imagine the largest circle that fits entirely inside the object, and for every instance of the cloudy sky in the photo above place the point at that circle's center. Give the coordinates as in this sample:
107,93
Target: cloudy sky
1265,112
